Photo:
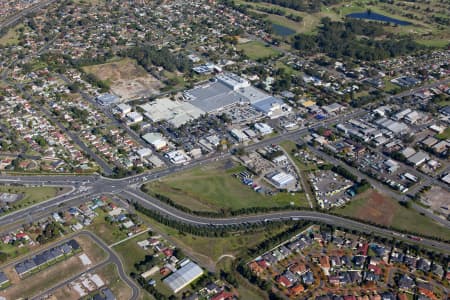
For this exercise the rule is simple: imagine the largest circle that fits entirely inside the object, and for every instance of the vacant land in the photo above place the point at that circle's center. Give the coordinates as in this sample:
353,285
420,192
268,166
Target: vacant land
126,78
257,50
110,233
30,195
375,207
111,277
213,187
45,279
438,199
131,253
208,250
11,37
445,135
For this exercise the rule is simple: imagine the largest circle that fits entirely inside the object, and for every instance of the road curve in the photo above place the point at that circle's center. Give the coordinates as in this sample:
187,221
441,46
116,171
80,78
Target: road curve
112,258
175,214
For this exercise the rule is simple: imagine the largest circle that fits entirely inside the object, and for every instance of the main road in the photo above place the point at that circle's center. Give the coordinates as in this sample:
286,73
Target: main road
112,257
88,186
11,20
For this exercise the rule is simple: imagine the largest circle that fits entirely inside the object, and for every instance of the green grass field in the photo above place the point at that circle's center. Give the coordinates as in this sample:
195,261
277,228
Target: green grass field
120,289
11,37
209,249
422,20
436,43
13,251
131,253
213,187
389,212
30,195
110,233
257,50
445,135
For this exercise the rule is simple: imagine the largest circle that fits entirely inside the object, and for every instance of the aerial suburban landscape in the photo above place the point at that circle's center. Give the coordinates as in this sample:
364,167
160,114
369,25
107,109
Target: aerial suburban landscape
225,149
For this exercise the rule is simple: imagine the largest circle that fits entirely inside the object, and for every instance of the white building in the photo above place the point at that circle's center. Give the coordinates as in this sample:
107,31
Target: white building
418,158
134,117
155,139
238,135
144,152
183,277
263,128
282,180
177,157
124,108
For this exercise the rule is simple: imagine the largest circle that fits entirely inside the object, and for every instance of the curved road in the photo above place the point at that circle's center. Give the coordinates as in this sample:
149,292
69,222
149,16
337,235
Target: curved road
112,258
171,212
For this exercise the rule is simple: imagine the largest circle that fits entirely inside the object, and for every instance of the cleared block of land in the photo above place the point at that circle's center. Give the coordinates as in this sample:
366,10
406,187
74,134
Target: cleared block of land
111,279
126,78
12,36
110,233
257,50
208,250
213,187
377,208
51,276
438,199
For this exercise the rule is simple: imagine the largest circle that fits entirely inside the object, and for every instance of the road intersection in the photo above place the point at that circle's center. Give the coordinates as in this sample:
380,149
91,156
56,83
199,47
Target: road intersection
89,186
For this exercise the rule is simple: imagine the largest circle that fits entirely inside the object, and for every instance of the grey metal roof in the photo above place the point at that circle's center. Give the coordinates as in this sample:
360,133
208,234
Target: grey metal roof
213,96
266,104
183,276
3,278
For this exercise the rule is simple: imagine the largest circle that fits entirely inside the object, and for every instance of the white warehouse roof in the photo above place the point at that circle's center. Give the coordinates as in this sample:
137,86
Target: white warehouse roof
282,179
183,277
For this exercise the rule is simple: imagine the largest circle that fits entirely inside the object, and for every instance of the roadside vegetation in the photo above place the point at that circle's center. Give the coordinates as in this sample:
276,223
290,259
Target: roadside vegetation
214,189
372,207
27,196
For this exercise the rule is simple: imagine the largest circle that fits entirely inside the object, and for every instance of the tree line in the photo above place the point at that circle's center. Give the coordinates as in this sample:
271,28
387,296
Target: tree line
354,39
300,5
150,56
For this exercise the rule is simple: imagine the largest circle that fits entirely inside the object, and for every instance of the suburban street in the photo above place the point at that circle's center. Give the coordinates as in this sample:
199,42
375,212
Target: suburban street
111,258
129,188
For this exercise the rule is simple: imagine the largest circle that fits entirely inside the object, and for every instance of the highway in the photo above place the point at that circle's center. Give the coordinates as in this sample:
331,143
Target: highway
15,18
173,213
86,187
380,186
129,189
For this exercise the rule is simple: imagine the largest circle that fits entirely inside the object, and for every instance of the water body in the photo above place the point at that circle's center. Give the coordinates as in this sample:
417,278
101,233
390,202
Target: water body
377,17
282,30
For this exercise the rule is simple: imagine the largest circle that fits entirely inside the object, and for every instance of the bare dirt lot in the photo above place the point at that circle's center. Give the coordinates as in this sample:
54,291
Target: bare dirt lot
41,281
378,209
127,79
109,276
45,279
437,199
371,206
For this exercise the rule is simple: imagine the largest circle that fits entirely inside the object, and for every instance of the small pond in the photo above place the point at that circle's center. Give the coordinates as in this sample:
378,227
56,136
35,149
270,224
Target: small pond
282,30
368,15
